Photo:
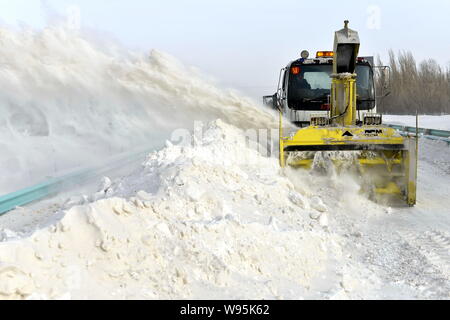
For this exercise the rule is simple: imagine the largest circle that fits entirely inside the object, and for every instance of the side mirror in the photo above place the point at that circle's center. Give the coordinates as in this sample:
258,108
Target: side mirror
383,80
271,101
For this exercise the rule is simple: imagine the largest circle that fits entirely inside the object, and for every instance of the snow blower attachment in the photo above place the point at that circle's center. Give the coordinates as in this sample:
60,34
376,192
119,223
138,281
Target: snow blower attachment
385,160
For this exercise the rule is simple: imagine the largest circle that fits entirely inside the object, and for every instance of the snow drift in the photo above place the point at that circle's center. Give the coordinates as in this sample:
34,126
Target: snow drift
201,224
67,101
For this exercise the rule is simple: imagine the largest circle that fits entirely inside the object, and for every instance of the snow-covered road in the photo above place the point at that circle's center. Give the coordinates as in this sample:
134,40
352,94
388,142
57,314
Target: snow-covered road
409,248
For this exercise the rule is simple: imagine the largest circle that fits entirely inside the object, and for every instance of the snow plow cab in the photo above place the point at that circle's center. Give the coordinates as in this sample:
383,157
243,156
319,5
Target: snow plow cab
346,127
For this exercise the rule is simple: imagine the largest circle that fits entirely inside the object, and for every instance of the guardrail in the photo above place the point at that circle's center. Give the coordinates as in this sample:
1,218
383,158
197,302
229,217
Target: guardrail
54,186
431,134
426,132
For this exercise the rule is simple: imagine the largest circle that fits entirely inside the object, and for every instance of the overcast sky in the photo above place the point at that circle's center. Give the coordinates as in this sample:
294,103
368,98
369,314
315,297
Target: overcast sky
245,43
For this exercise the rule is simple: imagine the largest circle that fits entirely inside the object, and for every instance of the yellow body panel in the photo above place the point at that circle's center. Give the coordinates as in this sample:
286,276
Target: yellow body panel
343,92
315,136
383,150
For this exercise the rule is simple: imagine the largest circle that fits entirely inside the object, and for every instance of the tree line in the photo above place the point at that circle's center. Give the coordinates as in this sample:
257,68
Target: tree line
423,87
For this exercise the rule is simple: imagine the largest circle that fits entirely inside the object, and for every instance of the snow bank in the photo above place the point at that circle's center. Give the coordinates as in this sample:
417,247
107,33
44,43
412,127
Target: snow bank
79,101
217,220
198,222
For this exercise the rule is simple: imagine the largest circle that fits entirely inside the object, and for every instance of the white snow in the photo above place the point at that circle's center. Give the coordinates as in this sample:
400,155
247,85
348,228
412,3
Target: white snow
429,122
212,219
199,226
195,225
66,95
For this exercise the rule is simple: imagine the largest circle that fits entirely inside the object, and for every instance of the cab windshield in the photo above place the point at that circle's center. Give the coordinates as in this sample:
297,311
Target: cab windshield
310,87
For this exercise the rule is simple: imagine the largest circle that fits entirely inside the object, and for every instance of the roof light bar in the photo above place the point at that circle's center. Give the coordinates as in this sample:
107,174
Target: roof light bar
325,54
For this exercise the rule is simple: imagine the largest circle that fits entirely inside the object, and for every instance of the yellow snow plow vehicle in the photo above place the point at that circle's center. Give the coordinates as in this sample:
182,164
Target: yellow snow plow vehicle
343,126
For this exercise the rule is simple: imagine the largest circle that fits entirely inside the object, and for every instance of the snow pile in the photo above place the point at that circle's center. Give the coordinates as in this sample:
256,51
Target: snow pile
67,95
216,220
198,222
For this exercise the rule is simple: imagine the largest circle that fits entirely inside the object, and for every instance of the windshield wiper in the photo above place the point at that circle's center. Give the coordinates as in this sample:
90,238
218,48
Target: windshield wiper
366,100
319,100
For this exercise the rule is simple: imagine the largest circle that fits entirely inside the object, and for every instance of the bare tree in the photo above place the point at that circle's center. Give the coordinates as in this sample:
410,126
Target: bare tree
424,87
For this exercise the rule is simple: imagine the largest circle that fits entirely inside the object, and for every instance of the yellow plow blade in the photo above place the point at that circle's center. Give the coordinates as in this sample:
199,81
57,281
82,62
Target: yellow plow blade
386,162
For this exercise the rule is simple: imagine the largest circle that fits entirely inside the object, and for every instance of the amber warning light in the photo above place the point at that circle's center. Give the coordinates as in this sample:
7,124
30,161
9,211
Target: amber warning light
295,70
325,54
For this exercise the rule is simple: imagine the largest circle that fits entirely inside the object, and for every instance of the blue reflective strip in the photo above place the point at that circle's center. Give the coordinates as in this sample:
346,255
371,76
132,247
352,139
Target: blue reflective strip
55,185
